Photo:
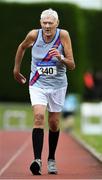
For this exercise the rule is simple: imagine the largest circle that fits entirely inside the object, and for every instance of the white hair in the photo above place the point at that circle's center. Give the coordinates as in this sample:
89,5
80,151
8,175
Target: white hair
49,12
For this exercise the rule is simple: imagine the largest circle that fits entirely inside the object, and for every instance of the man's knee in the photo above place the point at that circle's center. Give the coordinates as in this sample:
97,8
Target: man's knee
54,124
39,119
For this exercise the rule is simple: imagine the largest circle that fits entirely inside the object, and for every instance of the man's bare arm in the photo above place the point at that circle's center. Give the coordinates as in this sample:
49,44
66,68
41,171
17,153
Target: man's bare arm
68,60
28,41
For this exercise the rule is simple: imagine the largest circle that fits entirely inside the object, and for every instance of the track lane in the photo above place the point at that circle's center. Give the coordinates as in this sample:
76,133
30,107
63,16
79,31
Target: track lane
73,161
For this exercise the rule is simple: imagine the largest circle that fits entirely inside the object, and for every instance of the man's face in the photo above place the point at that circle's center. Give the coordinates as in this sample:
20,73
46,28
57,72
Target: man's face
49,25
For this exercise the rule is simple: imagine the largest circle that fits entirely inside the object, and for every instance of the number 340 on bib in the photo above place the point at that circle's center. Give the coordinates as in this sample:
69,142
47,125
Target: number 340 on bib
49,70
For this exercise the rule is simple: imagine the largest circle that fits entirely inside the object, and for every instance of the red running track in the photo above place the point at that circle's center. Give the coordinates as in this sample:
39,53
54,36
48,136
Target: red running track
73,161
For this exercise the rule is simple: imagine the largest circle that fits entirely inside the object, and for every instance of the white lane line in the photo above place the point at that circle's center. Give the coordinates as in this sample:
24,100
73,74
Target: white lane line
14,157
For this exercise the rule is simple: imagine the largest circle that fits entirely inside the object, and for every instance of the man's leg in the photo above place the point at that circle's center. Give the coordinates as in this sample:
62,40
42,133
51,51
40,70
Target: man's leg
53,140
37,137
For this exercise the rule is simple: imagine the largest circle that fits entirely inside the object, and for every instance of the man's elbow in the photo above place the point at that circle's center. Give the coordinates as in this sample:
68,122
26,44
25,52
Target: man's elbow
72,66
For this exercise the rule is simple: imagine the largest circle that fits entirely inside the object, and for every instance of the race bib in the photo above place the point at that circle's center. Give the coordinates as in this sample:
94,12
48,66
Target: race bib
47,68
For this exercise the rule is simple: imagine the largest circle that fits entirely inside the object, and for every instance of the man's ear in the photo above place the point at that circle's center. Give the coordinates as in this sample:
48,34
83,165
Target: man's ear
57,23
40,21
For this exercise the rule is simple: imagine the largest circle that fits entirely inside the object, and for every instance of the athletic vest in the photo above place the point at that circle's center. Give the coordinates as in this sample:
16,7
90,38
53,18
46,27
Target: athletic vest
46,71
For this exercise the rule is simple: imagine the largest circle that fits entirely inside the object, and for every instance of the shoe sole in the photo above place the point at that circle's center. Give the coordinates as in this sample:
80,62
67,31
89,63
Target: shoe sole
35,169
52,172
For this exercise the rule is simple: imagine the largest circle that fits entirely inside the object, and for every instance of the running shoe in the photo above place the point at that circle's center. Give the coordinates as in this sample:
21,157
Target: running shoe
52,166
35,167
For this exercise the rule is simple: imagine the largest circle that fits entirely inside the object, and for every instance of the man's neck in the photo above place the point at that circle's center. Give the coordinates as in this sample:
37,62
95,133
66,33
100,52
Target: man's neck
48,38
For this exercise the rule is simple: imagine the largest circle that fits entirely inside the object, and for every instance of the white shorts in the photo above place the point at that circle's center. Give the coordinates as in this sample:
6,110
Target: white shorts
53,99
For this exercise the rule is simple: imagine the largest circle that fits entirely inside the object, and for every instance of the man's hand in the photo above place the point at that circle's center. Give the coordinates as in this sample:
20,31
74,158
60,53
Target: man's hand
19,77
56,53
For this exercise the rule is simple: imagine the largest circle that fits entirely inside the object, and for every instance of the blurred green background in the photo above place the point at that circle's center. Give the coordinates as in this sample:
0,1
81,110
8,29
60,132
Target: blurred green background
85,29
84,26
